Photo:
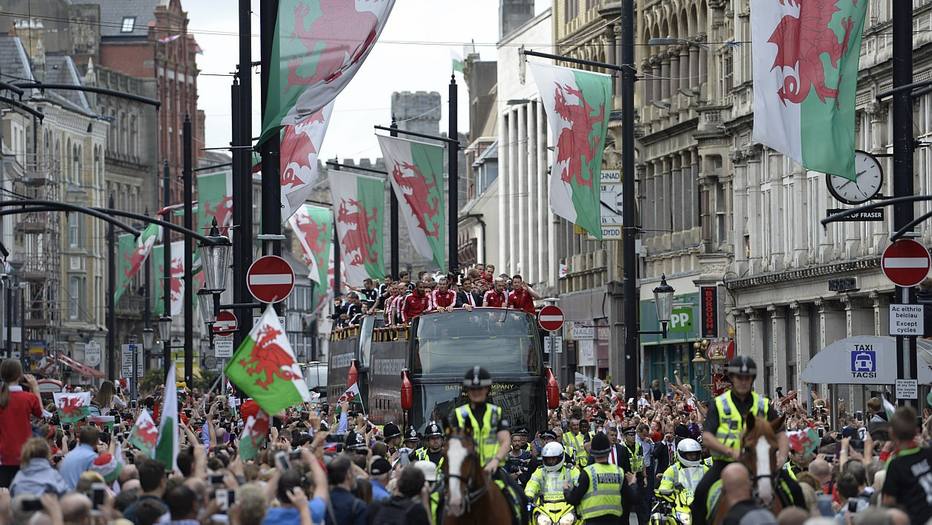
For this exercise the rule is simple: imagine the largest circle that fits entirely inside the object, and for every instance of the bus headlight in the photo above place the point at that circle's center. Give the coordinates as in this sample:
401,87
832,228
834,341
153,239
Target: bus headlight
542,519
684,517
568,519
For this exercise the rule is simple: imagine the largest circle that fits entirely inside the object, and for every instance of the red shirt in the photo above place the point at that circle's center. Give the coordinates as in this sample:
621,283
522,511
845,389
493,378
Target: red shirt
440,299
414,305
15,427
493,298
521,300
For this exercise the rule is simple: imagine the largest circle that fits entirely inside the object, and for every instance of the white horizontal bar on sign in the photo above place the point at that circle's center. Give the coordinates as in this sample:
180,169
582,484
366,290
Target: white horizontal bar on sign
906,262
271,278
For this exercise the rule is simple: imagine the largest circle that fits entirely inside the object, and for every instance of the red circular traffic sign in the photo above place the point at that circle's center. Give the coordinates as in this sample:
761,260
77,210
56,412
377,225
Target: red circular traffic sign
270,279
906,262
550,318
225,324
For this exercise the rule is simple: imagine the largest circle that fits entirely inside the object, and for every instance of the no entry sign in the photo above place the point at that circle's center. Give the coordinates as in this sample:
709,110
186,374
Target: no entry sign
226,323
550,318
270,279
906,262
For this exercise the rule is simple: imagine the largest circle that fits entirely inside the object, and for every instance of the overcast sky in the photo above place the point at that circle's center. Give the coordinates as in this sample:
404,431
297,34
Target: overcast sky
413,54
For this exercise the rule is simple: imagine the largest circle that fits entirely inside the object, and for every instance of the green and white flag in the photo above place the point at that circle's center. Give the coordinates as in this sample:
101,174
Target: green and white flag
177,278
214,201
805,57
578,104
144,435
415,170
317,49
298,151
132,254
457,59
72,407
359,205
313,226
166,450
265,368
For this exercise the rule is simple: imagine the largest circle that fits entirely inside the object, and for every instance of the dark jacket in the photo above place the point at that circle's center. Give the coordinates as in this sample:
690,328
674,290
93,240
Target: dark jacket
660,458
347,509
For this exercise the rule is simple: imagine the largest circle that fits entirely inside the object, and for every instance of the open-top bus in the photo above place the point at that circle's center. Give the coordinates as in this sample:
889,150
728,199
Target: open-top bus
432,354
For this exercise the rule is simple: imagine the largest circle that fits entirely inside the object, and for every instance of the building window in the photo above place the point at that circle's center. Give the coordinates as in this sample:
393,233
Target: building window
129,22
74,230
74,297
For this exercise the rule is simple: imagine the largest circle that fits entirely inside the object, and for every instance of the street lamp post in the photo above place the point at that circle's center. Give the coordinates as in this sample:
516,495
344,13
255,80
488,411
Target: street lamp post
700,362
216,256
663,301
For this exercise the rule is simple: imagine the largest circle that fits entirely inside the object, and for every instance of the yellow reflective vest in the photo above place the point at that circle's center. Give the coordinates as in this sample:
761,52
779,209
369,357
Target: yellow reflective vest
731,422
604,495
549,485
484,433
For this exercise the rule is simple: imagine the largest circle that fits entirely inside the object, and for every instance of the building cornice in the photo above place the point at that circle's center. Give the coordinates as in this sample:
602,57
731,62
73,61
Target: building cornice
803,273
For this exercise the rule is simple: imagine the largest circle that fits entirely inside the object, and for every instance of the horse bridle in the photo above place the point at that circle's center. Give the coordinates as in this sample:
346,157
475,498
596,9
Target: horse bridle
471,496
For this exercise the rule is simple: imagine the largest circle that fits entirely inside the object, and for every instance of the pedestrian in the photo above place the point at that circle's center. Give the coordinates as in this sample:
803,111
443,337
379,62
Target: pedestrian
36,475
82,457
737,498
407,506
379,472
347,508
16,407
908,483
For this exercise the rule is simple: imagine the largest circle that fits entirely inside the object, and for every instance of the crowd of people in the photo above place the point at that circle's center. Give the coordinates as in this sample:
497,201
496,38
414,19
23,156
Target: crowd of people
605,456
402,300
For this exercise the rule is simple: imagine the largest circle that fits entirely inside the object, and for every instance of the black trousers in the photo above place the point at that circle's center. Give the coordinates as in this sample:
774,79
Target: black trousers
698,509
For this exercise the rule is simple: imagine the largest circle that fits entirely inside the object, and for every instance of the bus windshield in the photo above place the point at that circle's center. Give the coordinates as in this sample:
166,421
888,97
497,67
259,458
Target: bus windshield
503,341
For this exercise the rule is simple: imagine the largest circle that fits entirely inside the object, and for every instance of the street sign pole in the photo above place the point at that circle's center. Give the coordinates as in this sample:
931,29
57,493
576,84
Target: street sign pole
134,387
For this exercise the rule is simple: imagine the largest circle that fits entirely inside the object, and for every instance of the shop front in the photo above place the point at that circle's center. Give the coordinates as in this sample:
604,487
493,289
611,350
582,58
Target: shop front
671,356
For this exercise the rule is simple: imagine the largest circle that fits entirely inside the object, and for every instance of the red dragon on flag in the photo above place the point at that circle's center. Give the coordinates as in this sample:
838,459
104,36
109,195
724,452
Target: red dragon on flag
576,141
801,43
422,195
338,24
270,359
222,212
358,240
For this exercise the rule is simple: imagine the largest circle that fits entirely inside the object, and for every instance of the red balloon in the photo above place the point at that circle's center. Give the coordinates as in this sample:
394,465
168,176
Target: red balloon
553,391
353,375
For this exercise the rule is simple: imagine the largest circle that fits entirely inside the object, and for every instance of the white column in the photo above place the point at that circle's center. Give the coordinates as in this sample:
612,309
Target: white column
755,211
545,263
512,248
778,346
800,314
533,249
502,184
756,349
521,198
740,216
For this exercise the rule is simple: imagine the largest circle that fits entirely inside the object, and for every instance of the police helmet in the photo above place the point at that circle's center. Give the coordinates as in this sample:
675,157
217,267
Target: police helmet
742,365
689,452
477,377
390,431
411,434
552,456
600,445
433,430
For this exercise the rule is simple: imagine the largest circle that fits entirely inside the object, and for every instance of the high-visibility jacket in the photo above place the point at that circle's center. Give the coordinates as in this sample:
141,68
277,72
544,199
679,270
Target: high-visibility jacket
679,478
485,432
604,495
731,422
549,485
422,455
637,457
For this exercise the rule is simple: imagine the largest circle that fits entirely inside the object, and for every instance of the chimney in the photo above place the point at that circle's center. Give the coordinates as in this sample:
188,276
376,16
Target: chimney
512,14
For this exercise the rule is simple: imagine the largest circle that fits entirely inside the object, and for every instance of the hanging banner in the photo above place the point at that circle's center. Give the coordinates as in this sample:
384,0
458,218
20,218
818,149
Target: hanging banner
299,171
359,203
313,226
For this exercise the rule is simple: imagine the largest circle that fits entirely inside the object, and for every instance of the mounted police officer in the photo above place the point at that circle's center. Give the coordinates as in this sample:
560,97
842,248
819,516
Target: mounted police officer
603,491
491,432
725,424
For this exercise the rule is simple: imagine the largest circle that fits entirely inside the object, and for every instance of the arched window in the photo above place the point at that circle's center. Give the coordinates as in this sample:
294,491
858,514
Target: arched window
133,137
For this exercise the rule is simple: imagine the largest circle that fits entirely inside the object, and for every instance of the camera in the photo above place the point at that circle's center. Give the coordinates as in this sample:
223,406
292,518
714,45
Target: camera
295,455
32,504
281,461
225,498
98,494
216,479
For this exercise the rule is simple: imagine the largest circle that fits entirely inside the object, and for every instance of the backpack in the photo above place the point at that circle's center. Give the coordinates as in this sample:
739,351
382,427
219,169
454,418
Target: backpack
393,512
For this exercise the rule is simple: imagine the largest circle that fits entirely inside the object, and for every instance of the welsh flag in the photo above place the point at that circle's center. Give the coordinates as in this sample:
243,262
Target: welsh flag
131,254
805,59
351,393
415,170
299,146
72,407
313,226
578,104
214,201
359,202
166,448
254,435
264,367
144,435
177,278
318,47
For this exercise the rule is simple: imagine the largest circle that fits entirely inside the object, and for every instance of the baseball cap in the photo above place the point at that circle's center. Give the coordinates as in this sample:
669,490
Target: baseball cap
380,466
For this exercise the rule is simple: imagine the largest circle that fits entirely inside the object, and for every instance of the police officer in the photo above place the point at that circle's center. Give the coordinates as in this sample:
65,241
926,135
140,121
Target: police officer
411,439
489,427
549,436
520,462
433,452
491,432
632,461
392,435
548,480
684,474
724,428
603,491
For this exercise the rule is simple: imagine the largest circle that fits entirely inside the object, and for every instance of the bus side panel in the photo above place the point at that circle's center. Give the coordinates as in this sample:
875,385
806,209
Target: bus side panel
388,359
342,353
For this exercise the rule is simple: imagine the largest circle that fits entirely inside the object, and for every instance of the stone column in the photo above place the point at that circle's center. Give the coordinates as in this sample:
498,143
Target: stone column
511,248
674,70
693,67
657,70
534,250
756,349
503,204
542,205
802,346
755,210
664,199
676,192
740,215
703,67
665,74
742,329
881,305
648,84
520,146
778,347
684,68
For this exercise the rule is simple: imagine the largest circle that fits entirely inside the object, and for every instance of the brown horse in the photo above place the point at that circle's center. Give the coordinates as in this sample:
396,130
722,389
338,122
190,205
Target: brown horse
470,496
759,447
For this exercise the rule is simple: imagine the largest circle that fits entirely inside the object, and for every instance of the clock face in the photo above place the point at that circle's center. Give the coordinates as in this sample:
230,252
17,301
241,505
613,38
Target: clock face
868,183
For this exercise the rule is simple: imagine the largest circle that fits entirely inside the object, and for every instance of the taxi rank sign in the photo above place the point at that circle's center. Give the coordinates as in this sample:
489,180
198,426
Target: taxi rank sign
863,361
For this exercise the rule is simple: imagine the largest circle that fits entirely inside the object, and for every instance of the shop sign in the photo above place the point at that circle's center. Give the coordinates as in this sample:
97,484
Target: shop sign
681,320
708,311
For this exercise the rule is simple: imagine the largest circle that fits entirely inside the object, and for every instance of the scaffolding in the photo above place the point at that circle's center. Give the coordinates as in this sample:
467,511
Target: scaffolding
39,236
